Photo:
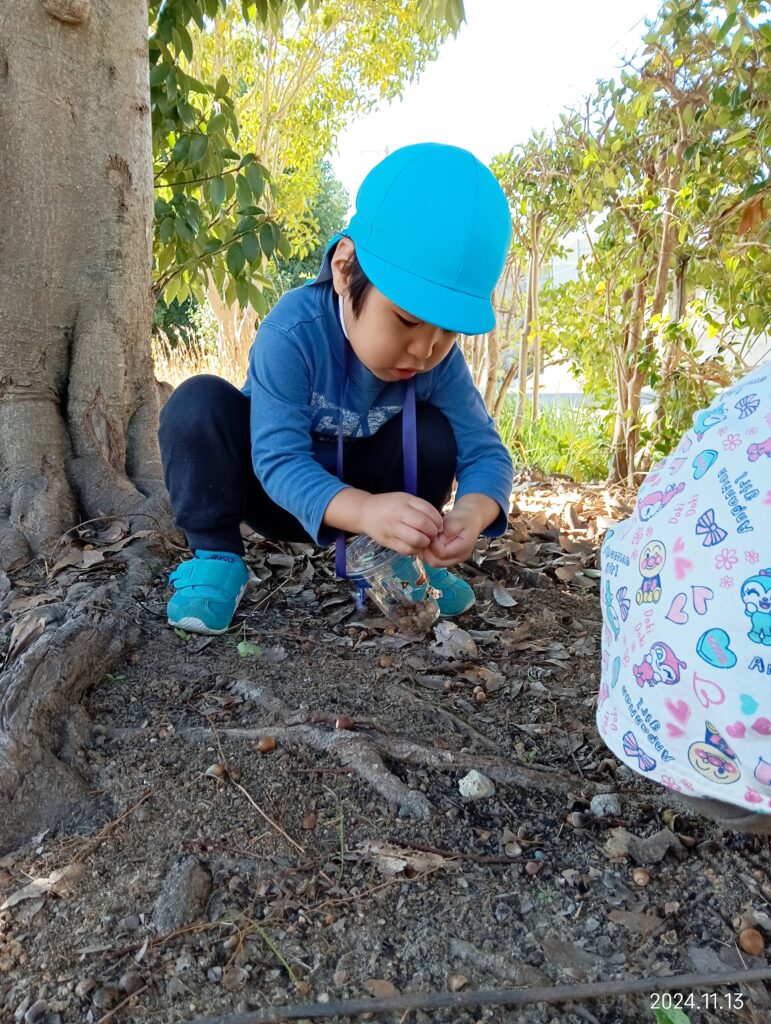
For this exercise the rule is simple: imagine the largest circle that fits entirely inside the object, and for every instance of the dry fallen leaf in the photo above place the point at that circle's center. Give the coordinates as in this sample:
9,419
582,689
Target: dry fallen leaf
398,860
59,882
26,631
453,642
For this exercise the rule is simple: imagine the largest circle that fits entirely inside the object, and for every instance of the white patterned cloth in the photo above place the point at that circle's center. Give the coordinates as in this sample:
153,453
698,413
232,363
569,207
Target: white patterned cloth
685,695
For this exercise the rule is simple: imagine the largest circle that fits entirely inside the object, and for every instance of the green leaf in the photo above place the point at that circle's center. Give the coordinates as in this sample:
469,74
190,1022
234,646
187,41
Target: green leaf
284,248
235,259
159,73
257,300
671,1016
267,240
726,27
221,88
166,230
181,149
198,146
242,291
251,248
243,192
217,192
247,650
184,232
182,634
256,180
216,124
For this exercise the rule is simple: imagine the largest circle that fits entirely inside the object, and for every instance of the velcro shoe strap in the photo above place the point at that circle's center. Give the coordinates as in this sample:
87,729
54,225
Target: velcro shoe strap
210,572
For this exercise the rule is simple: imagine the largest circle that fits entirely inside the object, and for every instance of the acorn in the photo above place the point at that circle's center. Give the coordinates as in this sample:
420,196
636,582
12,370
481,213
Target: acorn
265,744
216,770
751,942
344,722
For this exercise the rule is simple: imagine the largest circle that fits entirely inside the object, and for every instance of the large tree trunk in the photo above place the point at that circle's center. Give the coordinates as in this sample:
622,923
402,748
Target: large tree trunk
78,400
78,403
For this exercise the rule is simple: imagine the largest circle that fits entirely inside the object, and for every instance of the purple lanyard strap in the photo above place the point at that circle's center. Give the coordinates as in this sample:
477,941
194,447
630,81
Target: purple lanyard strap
409,453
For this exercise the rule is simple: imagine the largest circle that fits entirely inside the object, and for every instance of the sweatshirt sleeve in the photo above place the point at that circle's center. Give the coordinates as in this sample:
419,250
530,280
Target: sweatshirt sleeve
484,465
279,383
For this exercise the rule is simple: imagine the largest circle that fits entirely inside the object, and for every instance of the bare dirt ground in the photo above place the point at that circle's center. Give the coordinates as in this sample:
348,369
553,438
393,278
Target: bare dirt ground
276,816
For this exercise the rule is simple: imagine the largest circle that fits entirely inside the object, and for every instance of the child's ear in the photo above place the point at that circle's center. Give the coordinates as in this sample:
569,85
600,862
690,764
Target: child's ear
341,267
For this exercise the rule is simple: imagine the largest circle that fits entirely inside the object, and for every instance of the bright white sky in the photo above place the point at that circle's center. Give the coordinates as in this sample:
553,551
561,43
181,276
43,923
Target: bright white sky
514,65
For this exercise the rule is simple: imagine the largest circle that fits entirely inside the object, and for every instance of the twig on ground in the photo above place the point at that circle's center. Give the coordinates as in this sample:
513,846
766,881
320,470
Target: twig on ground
268,819
491,997
99,838
111,1013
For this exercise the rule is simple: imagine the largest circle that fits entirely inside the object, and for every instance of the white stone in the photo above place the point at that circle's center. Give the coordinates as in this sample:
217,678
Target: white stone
476,786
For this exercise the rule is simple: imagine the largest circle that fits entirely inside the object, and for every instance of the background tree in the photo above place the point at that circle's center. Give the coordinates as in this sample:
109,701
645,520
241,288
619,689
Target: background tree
295,83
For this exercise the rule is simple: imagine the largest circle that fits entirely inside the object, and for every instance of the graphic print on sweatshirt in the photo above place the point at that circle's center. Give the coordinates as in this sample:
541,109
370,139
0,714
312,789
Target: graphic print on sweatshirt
685,694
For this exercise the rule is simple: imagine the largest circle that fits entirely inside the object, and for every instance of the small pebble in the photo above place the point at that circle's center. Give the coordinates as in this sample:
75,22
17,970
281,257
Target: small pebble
533,867
605,805
456,982
35,1012
84,987
476,786
131,982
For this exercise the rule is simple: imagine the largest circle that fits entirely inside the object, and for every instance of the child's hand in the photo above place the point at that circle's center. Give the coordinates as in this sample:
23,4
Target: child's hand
456,541
400,521
462,525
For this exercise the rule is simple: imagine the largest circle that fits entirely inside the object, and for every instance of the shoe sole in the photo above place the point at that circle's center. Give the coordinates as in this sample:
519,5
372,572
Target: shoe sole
193,625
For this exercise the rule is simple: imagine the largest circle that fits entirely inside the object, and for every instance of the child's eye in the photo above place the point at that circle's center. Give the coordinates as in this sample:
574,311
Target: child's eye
407,323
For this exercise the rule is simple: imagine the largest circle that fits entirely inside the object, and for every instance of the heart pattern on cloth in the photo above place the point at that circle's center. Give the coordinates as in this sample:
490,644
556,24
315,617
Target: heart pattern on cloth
682,565
678,709
674,731
700,597
748,704
677,612
714,647
752,797
736,730
763,726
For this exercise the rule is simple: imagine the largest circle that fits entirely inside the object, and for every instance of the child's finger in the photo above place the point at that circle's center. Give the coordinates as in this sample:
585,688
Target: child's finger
420,505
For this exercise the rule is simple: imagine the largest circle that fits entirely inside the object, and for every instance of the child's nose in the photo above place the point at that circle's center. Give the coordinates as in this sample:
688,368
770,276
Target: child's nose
421,347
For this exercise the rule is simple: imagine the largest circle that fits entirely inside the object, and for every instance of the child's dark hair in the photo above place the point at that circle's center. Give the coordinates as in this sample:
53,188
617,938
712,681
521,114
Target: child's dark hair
358,286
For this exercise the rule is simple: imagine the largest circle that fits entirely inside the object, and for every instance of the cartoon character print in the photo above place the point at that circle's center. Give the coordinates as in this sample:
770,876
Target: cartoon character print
660,665
756,594
713,759
654,502
707,419
757,451
610,613
652,560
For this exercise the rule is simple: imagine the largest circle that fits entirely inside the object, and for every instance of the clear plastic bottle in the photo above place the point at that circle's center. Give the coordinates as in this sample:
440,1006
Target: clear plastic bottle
374,569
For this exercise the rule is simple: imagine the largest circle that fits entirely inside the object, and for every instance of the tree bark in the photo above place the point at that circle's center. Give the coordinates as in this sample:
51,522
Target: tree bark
78,402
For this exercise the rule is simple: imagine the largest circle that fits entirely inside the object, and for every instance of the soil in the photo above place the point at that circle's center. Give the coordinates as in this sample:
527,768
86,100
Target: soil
209,875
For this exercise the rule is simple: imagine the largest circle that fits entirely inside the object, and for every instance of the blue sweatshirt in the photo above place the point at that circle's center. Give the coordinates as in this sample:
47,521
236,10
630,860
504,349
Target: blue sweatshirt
295,381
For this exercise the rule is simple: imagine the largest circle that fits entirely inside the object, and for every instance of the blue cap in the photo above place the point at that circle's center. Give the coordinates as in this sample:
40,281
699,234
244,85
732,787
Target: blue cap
431,230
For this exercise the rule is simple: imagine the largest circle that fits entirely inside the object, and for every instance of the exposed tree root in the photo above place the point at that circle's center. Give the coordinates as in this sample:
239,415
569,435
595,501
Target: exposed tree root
366,754
42,723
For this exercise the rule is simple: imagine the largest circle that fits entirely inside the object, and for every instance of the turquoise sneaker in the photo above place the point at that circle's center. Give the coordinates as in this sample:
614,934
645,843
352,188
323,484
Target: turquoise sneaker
455,595
207,591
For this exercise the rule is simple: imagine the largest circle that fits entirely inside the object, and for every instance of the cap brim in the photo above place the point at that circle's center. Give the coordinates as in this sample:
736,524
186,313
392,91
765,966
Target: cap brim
444,307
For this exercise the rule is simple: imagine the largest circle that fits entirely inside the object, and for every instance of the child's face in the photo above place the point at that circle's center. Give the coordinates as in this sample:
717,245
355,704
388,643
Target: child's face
389,341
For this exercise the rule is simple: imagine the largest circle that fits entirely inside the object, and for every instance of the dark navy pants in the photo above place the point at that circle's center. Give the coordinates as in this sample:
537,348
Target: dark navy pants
207,465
